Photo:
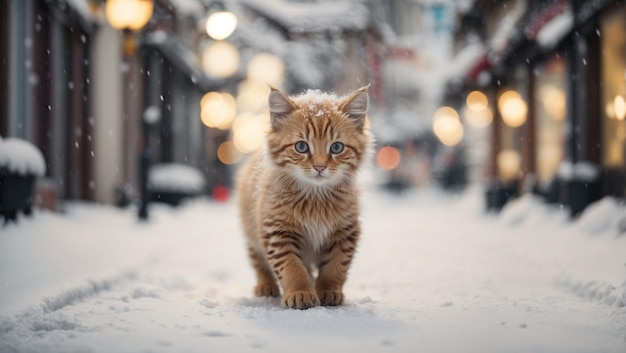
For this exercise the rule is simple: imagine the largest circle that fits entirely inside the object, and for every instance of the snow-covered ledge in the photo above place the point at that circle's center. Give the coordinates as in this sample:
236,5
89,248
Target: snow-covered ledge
581,171
21,157
172,177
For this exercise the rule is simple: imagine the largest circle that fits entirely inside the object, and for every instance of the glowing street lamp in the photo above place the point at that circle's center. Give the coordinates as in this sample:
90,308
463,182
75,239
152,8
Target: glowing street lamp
130,16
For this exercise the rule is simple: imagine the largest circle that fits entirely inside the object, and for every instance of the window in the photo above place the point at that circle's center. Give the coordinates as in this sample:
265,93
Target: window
613,36
550,112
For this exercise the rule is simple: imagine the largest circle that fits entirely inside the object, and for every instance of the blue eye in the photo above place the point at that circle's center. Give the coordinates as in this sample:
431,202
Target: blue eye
336,148
301,147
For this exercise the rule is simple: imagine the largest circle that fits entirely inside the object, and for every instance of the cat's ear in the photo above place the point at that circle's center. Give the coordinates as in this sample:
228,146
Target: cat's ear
355,106
280,107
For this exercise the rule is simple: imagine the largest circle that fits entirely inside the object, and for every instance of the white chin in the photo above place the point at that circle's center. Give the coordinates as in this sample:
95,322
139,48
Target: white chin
318,179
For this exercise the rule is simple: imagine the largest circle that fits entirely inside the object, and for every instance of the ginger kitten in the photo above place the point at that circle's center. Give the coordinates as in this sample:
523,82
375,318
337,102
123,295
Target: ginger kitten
298,198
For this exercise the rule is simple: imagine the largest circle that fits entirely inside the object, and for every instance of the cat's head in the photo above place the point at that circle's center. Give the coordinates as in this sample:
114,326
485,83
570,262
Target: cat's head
318,138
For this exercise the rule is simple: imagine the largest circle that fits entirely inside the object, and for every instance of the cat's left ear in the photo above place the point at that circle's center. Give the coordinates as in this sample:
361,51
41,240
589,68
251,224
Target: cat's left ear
280,106
355,106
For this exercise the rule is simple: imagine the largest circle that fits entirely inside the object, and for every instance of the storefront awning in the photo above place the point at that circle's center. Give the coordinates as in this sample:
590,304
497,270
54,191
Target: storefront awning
469,63
555,30
483,64
193,8
311,17
551,24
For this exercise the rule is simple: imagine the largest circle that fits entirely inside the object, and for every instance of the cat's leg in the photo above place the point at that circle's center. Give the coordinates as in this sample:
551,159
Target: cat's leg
334,265
266,284
283,254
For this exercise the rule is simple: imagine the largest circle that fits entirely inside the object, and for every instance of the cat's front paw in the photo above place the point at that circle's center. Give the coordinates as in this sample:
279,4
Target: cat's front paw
330,297
300,300
266,290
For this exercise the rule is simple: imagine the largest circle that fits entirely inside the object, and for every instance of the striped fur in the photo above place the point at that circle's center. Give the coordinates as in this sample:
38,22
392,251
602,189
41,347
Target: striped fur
300,210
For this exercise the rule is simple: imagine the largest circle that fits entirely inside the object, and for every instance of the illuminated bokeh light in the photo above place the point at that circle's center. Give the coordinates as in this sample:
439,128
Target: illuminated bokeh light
128,14
249,131
252,96
512,108
477,112
554,102
267,69
477,101
447,126
220,25
220,193
220,59
619,107
478,118
227,153
609,109
388,158
218,110
509,163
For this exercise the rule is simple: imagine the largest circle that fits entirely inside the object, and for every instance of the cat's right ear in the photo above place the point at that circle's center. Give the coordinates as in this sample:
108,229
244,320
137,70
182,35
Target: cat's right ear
280,107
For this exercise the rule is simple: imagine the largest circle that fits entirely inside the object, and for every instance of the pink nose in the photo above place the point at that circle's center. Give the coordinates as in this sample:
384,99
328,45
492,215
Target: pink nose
319,168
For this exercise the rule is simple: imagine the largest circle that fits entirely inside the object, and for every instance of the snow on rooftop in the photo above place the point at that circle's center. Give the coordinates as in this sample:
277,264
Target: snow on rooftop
466,59
188,7
21,157
176,178
313,17
553,31
260,35
157,37
463,5
507,27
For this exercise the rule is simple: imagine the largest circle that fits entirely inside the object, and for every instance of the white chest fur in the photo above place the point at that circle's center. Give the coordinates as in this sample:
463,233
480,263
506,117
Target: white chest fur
317,234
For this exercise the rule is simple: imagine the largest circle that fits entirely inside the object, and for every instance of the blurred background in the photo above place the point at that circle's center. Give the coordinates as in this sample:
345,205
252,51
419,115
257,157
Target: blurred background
131,101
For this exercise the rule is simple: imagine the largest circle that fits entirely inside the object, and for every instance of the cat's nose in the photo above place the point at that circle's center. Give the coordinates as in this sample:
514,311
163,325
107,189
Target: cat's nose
319,168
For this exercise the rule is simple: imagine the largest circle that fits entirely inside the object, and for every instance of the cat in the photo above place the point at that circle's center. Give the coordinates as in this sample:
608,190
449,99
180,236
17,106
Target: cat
298,200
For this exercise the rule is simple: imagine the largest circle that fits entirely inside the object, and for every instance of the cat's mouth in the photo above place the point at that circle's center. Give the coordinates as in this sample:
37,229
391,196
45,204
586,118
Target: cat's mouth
319,178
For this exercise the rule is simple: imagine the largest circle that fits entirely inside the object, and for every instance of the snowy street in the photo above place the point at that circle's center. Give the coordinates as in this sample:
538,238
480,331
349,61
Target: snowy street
489,139
433,273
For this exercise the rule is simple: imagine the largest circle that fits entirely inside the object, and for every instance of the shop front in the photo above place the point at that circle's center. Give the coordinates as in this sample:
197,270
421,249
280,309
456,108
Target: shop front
612,29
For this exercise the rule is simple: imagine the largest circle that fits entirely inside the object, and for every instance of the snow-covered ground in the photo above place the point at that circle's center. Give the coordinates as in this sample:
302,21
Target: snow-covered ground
433,273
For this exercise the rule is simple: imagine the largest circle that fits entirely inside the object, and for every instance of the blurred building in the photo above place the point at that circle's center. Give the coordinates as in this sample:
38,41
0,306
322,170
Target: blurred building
553,73
327,45
79,89
46,87
94,99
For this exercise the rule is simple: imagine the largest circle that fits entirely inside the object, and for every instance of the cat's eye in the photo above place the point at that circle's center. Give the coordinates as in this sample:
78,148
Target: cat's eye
336,148
301,147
